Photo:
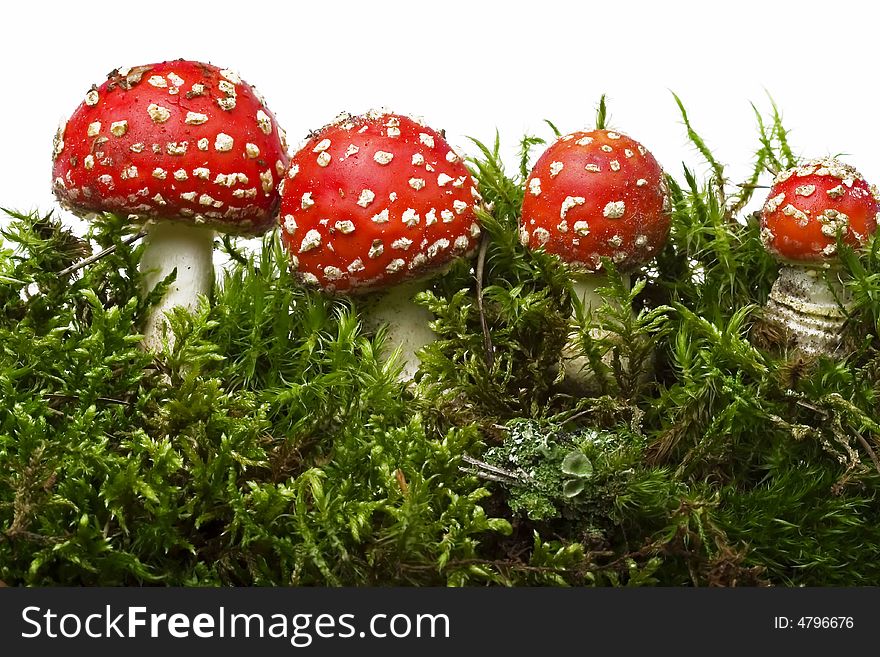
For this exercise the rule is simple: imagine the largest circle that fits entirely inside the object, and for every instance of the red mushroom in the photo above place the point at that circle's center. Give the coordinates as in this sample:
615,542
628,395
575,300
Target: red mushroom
594,195
808,207
372,201
184,147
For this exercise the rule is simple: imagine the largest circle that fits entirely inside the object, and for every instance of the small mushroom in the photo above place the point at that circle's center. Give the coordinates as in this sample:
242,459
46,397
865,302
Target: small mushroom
807,208
377,203
594,195
186,149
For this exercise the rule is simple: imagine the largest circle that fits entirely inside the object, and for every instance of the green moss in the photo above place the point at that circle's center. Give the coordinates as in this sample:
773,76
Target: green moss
273,445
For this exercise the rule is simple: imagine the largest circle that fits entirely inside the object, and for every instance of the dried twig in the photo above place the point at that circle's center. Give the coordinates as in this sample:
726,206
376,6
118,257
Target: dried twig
85,262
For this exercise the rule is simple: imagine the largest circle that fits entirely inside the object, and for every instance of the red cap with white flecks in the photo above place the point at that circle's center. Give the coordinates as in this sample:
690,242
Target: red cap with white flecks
596,194
179,140
810,204
371,200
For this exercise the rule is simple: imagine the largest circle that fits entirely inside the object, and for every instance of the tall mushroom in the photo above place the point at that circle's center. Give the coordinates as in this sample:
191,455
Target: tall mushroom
186,149
374,204
808,207
594,195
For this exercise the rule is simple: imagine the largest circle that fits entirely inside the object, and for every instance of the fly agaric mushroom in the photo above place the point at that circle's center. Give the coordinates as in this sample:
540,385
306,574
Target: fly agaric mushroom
594,195
183,147
375,203
807,208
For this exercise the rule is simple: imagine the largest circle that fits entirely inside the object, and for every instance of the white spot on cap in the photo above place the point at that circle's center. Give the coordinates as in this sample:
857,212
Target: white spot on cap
443,180
614,210
89,162
584,141
376,249
292,171
188,196
541,235
264,122
440,245
535,186
397,264
129,172
592,168
641,182
836,192
447,216
266,181
321,146
452,157
195,118
418,159
312,240
461,243
612,135
202,172
351,150
175,79
402,244
367,196
345,226
160,173
92,98
615,165
569,203
356,265
805,190
94,129
180,175
431,217
381,218
607,148
332,273
555,168
252,150
176,148
475,229
581,228
290,224
202,144
223,142
417,183
231,75
426,139
383,157
158,113
628,152
306,201
459,206
798,215
393,132
324,159
410,217
119,128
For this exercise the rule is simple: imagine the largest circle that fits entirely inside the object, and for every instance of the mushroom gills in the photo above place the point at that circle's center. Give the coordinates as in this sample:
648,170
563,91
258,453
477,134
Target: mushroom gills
170,246
811,308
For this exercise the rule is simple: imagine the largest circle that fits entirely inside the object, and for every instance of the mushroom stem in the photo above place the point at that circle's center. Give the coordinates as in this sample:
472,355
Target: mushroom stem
408,323
809,307
585,286
170,246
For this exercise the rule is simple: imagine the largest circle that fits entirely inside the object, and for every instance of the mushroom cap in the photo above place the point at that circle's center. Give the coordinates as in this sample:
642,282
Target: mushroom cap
596,194
374,199
178,141
809,204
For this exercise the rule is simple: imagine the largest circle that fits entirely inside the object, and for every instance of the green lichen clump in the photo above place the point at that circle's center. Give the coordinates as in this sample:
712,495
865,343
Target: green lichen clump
272,444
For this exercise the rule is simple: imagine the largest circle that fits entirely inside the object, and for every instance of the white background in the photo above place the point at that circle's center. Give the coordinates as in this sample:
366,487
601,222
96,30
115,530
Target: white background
469,67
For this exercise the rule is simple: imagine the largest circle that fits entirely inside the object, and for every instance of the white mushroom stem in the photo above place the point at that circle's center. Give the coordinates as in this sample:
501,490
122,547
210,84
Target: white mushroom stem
170,246
585,287
407,323
807,304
